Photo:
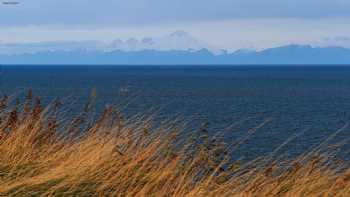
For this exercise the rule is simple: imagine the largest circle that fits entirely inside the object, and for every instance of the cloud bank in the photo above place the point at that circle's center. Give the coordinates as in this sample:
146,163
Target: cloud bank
144,12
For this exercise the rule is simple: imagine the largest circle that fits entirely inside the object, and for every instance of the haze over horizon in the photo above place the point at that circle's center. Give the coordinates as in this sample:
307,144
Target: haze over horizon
225,24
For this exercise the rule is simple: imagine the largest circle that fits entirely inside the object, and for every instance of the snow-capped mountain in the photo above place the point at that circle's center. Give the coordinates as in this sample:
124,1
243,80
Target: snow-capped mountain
178,40
181,40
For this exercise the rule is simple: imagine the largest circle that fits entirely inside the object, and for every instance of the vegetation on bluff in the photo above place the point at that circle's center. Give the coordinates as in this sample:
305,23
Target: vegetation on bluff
42,153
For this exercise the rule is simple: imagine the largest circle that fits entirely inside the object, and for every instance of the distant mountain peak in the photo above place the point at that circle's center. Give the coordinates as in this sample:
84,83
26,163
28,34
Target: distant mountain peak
180,33
148,40
299,46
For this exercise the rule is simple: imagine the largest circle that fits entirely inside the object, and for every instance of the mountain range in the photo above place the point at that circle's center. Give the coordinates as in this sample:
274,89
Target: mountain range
178,48
178,40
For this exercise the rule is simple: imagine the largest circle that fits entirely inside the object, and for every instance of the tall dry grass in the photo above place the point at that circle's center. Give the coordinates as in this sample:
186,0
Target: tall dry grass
43,154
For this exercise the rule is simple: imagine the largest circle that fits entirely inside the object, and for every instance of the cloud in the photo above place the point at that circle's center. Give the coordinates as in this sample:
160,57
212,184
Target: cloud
21,48
145,12
340,41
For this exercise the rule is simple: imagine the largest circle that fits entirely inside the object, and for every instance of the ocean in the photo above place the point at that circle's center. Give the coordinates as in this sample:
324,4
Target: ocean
309,102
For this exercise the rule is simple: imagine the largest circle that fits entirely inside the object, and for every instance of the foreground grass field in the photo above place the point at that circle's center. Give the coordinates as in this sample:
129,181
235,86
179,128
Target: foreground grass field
44,154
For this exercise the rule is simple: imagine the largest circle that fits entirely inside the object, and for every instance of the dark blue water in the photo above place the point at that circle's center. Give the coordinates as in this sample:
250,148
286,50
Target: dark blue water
295,98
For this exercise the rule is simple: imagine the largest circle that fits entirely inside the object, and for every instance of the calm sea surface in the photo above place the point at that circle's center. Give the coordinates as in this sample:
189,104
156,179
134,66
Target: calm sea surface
312,102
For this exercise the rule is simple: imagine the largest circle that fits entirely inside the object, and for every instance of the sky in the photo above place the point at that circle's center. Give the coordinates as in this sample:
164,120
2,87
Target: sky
230,24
